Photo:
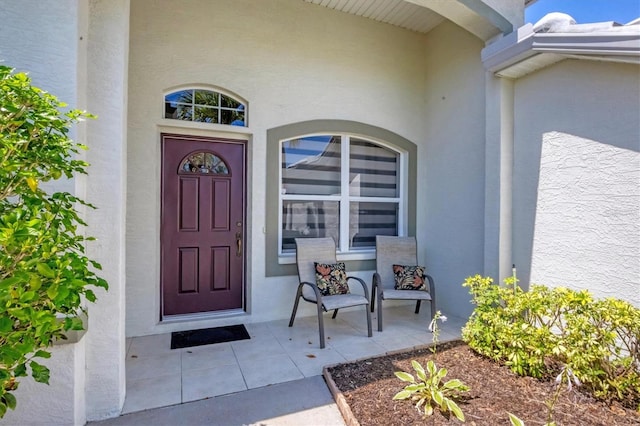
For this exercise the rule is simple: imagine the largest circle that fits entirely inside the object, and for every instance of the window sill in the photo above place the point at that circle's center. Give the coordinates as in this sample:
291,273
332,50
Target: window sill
290,259
183,124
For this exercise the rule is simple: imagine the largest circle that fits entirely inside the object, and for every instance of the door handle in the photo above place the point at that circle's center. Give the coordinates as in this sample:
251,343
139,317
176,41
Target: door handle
238,244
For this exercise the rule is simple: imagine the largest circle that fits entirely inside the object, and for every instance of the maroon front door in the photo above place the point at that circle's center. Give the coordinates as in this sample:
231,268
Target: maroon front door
202,230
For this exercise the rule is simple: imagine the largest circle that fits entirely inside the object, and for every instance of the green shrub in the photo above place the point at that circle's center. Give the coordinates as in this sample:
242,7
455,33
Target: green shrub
44,273
538,331
429,391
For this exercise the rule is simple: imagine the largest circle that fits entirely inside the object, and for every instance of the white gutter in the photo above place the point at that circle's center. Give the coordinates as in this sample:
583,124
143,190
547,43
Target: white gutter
601,41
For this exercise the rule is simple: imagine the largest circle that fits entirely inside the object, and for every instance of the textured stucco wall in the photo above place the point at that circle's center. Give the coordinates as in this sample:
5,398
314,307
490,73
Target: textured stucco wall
292,62
451,165
577,178
42,38
107,55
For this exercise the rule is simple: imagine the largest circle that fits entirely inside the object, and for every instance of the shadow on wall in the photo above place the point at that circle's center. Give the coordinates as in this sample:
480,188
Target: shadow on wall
576,197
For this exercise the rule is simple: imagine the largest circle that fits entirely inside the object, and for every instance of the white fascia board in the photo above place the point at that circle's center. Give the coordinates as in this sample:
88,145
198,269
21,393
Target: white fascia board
610,43
509,50
523,44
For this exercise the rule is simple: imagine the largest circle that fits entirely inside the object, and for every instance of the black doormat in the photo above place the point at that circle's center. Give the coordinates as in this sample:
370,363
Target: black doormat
208,336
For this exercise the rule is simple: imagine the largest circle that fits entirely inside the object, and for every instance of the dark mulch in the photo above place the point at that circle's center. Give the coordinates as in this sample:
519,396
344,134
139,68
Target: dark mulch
369,386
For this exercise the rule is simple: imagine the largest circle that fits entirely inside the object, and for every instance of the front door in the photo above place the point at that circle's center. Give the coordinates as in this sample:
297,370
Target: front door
202,229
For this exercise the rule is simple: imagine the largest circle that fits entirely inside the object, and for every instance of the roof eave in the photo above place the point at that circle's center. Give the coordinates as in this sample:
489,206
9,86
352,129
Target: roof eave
518,53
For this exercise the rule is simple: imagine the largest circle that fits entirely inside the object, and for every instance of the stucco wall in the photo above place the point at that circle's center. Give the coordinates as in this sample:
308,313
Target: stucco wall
292,62
577,178
47,46
451,165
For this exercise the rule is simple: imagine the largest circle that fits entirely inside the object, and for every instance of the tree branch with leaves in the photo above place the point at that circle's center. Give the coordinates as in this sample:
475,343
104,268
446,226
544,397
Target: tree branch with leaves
45,276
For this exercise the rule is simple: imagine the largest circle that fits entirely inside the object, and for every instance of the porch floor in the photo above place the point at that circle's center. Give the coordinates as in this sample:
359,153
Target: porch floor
158,376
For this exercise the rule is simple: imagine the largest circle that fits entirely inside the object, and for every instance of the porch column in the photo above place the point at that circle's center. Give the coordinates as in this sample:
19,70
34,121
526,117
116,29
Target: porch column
107,62
498,177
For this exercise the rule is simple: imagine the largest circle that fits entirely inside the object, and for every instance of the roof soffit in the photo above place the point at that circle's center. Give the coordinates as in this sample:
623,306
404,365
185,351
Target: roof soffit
423,15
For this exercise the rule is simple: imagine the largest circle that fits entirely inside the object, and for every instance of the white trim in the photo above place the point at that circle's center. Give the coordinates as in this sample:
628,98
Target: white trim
524,50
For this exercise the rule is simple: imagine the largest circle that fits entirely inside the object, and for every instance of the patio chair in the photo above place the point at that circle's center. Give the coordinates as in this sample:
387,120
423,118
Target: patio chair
392,251
310,251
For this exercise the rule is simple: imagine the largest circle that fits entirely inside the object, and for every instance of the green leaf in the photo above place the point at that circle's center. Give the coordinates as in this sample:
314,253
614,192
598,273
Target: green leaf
428,410
453,407
42,354
515,421
455,384
20,370
437,396
8,282
6,324
404,394
405,377
39,372
35,282
45,270
3,408
431,367
10,400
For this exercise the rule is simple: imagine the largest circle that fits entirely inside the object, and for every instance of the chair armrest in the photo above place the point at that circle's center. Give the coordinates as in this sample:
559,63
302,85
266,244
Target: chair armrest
315,289
364,286
432,289
377,283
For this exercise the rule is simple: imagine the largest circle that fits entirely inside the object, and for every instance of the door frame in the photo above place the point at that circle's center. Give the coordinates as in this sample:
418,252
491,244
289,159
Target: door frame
244,292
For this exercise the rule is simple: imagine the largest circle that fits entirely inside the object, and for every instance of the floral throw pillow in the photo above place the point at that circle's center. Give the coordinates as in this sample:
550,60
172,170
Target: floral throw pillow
331,278
409,277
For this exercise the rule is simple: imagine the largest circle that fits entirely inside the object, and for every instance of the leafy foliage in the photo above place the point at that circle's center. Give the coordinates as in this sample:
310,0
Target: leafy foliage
44,273
429,391
536,331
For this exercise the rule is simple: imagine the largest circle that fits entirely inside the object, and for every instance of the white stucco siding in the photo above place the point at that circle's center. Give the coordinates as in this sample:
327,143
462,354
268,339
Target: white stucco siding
107,97
292,61
62,402
451,166
42,38
577,178
45,45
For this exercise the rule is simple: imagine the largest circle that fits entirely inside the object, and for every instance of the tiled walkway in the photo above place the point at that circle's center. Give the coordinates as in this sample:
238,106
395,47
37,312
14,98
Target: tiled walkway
158,376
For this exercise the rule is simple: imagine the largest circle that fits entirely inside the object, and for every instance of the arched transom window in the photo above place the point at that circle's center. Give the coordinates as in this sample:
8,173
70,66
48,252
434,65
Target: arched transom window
205,106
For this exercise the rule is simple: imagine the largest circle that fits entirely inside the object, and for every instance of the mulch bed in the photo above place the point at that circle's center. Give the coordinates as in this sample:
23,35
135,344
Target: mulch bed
365,389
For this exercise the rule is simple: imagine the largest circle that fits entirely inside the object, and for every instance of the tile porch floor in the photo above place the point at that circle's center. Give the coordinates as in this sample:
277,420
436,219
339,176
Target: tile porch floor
158,376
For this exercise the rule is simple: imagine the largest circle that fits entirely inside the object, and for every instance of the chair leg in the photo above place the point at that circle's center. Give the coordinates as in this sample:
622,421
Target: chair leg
335,312
373,297
366,309
418,306
320,325
295,306
379,312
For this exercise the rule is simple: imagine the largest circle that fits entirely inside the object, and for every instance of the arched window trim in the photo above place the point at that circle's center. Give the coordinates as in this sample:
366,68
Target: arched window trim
210,88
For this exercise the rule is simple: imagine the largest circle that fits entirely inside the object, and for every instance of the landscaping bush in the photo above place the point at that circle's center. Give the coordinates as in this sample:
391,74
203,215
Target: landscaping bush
44,274
539,332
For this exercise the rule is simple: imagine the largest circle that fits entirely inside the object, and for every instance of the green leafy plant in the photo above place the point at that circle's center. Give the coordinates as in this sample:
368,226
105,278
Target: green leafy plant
428,389
44,273
535,331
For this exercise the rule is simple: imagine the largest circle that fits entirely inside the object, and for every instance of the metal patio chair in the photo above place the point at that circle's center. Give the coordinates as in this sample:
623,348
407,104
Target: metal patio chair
323,250
397,251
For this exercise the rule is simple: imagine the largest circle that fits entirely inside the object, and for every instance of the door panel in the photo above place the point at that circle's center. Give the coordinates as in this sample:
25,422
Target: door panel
202,267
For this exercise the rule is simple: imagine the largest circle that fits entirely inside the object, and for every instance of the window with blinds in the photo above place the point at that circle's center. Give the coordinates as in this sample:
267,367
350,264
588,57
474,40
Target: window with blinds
339,186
